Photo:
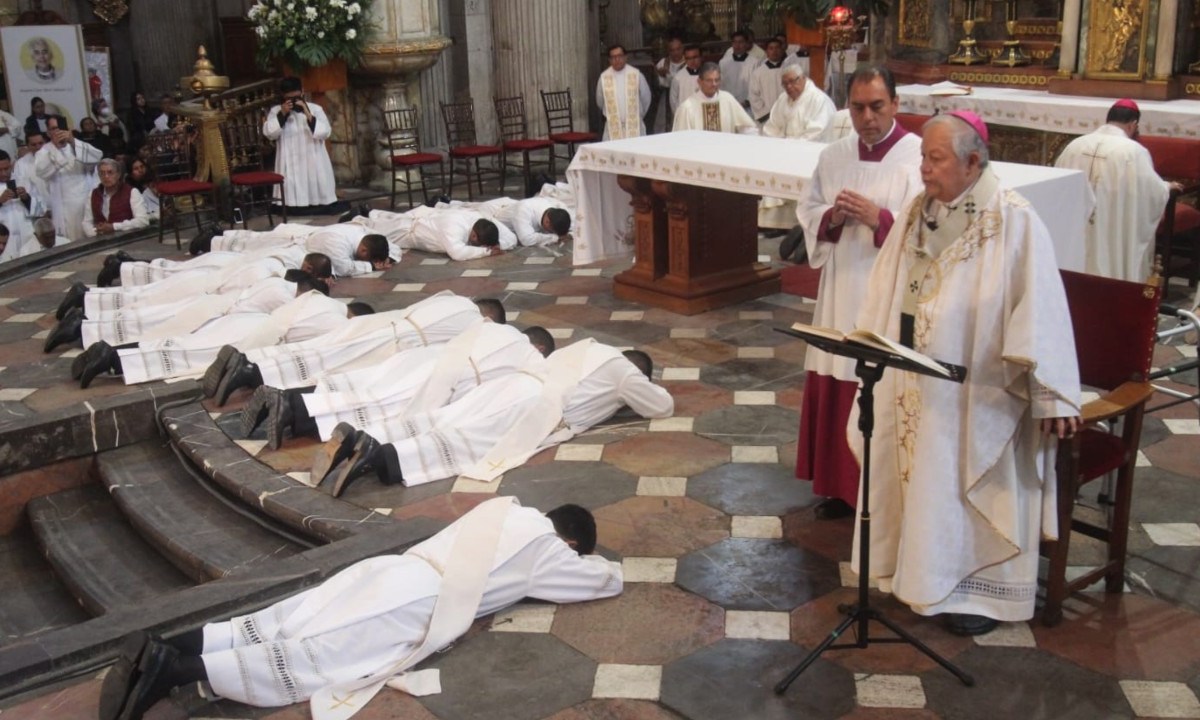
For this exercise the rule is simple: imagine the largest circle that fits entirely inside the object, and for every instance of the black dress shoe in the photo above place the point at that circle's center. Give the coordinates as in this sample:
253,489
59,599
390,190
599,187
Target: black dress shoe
834,509
110,272
125,257
256,410
202,243
279,416
73,299
69,329
241,373
80,361
212,376
969,625
102,359
336,449
362,462
387,465
793,240
153,681
122,675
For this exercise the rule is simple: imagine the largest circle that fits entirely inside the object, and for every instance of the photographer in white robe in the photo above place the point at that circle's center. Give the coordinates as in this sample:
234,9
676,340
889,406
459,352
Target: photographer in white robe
711,108
300,129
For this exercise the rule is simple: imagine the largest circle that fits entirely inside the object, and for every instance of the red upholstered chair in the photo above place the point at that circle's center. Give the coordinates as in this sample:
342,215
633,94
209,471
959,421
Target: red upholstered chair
402,127
561,123
179,194
1114,322
912,122
1178,237
514,139
465,150
250,181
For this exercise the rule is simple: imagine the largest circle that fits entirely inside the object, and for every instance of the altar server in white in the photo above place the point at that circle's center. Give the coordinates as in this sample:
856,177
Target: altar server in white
686,81
802,112
738,65
962,475
68,168
766,82
711,108
623,96
338,644
860,186
25,173
1130,196
300,129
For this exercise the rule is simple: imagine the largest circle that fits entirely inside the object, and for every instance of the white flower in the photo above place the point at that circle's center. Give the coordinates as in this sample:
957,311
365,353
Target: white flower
262,31
291,6
254,11
353,9
310,12
320,34
351,34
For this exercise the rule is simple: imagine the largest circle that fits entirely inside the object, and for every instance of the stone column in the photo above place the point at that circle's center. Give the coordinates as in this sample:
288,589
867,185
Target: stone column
1069,42
1164,49
528,33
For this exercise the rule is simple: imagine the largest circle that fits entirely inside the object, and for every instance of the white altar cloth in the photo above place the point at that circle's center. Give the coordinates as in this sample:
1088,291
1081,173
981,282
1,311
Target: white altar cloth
778,167
1039,110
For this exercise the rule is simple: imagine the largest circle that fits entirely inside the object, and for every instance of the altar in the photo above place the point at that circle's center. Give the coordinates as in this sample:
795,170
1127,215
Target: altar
685,205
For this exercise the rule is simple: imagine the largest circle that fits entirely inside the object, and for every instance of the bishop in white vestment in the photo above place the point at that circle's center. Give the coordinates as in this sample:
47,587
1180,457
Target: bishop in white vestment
711,108
299,130
623,96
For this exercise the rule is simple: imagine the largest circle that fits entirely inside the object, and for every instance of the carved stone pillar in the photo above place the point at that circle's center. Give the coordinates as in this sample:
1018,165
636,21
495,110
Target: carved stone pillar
538,48
1164,52
1069,41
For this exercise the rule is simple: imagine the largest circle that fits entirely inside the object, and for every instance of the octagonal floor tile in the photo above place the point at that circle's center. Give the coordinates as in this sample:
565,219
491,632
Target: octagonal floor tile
749,425
751,489
831,538
1176,454
590,484
753,374
666,454
754,574
865,713
616,710
702,350
660,526
693,399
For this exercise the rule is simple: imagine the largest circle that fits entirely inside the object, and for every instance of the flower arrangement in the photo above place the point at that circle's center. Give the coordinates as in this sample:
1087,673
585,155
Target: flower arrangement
310,33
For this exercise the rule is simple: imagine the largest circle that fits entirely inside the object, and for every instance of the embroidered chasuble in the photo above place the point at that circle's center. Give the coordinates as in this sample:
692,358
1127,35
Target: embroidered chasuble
721,113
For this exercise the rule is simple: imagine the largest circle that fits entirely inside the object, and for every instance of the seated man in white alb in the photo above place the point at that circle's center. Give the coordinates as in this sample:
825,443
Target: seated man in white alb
711,108
503,422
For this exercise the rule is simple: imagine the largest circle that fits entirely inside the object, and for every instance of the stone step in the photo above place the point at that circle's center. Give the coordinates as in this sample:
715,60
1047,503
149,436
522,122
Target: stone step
33,601
190,526
96,552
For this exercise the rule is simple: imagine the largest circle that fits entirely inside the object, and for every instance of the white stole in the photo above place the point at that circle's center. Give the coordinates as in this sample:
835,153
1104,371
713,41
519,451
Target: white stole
629,125
437,389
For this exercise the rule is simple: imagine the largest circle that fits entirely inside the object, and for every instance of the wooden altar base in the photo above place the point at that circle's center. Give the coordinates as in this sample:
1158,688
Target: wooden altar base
696,248
1145,90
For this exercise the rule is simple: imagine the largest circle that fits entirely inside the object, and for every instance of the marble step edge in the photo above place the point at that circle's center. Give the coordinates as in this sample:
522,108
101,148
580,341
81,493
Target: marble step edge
195,531
27,665
102,573
308,511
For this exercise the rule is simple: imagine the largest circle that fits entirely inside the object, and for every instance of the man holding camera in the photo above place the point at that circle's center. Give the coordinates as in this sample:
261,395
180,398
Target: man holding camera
299,129
68,167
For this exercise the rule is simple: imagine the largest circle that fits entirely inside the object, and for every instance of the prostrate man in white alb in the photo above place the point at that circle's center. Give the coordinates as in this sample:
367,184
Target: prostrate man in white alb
686,82
962,484
352,247
300,129
711,108
665,69
68,167
623,96
766,82
461,234
738,65
340,642
860,186
534,221
1130,196
114,205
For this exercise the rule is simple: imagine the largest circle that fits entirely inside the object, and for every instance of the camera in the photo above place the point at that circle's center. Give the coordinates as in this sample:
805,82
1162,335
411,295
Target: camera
296,108
11,185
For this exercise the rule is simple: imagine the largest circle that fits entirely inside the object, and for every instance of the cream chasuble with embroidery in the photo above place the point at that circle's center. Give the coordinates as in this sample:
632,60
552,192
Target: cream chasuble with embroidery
623,97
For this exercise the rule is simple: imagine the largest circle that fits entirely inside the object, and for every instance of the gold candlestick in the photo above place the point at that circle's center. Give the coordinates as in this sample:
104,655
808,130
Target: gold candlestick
1011,55
968,53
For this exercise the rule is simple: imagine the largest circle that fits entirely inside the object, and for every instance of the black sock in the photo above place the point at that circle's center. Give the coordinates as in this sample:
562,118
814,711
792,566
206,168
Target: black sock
302,422
188,643
186,669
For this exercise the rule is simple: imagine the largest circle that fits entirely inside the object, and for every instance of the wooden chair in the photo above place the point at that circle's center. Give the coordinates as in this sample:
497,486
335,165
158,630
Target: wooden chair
402,128
561,124
1178,236
248,175
1114,323
465,150
171,154
912,122
514,138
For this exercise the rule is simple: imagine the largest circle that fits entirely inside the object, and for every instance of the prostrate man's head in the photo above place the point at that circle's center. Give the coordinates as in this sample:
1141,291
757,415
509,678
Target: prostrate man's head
307,282
873,103
492,309
793,81
710,79
318,265
373,249
540,338
775,50
1126,115
616,57
43,230
692,57
484,233
641,361
110,174
358,309
740,42
557,221
576,526
953,154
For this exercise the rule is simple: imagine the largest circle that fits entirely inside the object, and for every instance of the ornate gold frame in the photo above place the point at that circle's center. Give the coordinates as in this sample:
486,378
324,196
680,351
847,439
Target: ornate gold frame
1102,20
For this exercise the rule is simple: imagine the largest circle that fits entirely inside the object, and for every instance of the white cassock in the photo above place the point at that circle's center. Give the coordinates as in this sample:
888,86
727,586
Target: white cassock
1130,197
766,85
444,231
140,219
522,218
15,131
146,321
503,422
721,113
963,485
25,173
804,118
365,341
664,81
624,98
839,127
735,75
755,52
301,157
224,263
419,379
339,242
281,235
16,218
189,355
70,174
376,619
684,84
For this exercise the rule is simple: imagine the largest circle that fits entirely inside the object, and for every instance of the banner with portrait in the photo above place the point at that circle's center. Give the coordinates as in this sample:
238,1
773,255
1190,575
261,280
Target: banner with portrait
46,62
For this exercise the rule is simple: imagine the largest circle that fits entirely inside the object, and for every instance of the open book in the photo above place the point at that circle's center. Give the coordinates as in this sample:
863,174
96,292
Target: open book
873,340
947,88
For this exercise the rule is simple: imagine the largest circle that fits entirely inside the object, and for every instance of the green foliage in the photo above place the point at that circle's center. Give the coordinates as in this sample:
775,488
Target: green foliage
310,33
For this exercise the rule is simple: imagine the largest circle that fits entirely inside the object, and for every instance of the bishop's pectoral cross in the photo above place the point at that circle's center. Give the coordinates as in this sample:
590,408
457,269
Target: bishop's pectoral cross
1092,177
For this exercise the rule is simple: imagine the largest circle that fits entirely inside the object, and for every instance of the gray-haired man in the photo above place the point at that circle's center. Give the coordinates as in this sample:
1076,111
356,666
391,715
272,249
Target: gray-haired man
113,206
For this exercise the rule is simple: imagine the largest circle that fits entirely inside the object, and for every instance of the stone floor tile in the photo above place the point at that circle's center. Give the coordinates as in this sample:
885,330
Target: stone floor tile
662,486
765,527
73,352
586,272
1185,534
672,424
7,301
15,394
889,691
561,333
659,526
753,397
693,399
631,682
435,261
1161,699
679,373
579,452
538,260
753,574
1008,634
627,316
757,625
1142,460
57,275
590,484
252,447
530,617
572,300
24,317
688,333
514,286
467,485
476,272
755,353
616,709
751,489
304,478
1189,426
849,578
641,569
408,287
754,454
666,454
756,315
512,316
